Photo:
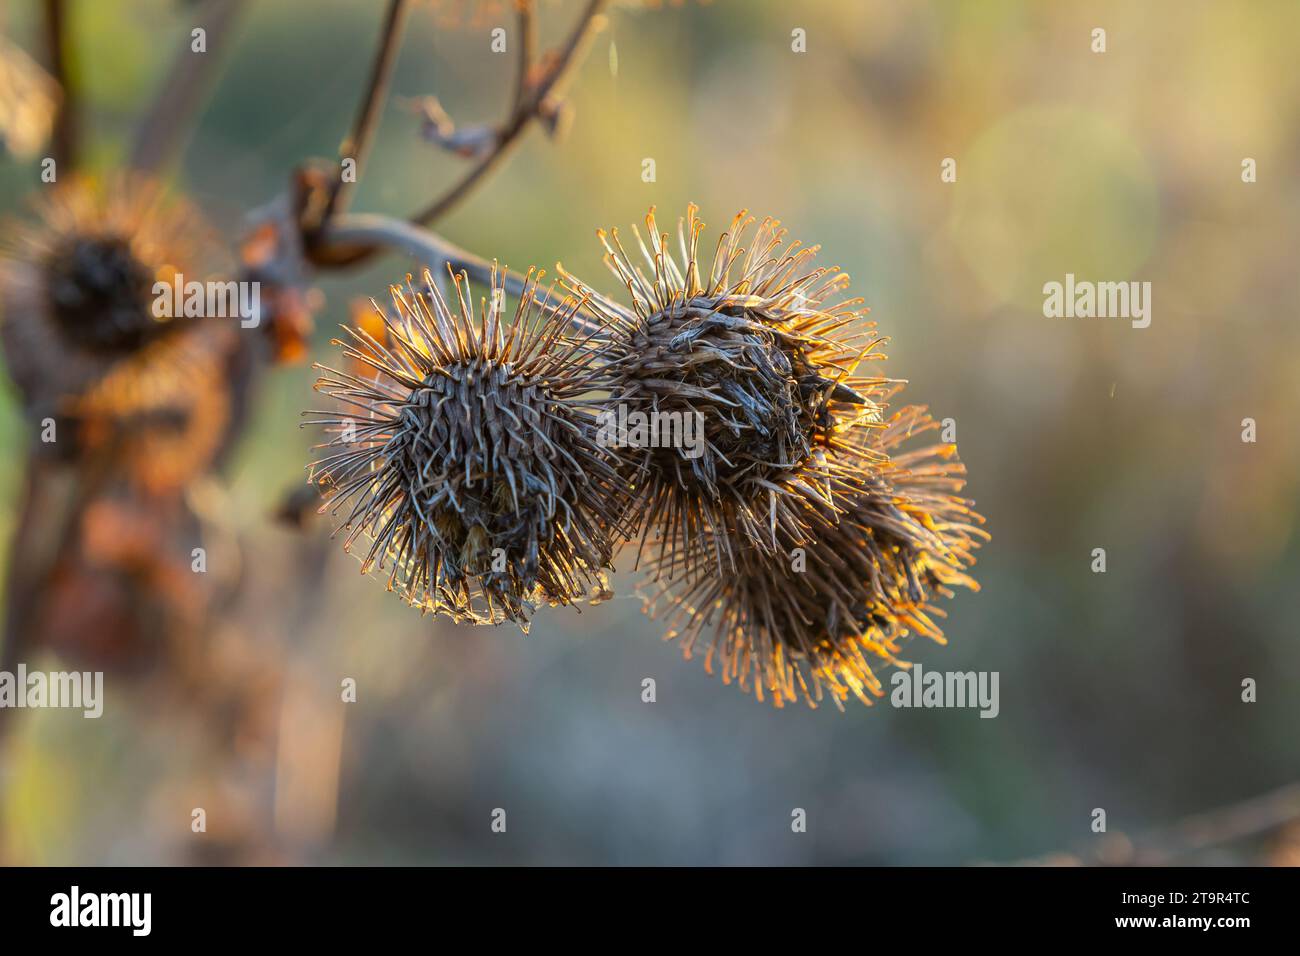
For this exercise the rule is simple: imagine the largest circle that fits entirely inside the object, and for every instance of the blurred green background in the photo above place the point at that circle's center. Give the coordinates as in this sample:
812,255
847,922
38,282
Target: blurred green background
1119,690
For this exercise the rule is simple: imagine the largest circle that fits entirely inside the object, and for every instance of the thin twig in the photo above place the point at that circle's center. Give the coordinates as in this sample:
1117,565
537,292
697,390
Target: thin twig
435,252
525,112
384,232
1166,845
36,566
335,255
65,119
1240,821
357,146
20,590
527,52
168,123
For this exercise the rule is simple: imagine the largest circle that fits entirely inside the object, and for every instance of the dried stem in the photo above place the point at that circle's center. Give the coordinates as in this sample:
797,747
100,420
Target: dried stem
526,110
65,120
528,107
383,232
1167,845
35,565
168,123
357,145
527,52
1241,821
20,588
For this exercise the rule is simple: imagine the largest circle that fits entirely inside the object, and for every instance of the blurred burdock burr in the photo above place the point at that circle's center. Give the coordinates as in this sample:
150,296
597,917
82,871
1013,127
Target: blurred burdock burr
762,349
77,284
163,413
466,453
831,609
141,407
131,385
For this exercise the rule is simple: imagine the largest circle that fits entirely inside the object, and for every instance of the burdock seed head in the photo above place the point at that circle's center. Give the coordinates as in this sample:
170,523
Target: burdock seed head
757,353
77,285
833,612
160,416
466,455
